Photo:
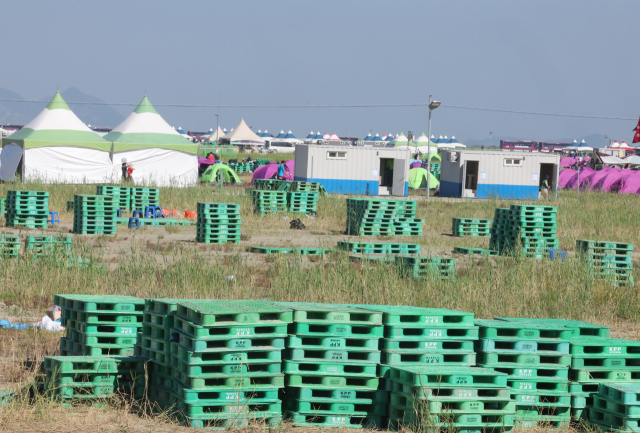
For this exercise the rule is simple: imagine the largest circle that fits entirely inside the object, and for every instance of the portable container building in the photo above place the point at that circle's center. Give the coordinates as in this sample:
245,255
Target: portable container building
507,175
354,169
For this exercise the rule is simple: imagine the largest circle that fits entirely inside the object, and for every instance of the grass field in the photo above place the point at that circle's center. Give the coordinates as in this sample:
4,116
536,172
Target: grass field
166,262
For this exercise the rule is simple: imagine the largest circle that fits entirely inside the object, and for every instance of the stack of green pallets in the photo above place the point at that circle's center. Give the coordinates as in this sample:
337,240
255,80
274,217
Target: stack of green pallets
424,336
616,407
121,193
373,249
440,268
436,169
99,325
48,244
581,393
471,227
218,223
94,215
598,360
300,186
380,217
82,378
9,246
533,229
27,209
265,202
609,261
474,251
143,197
3,204
536,359
439,398
500,230
226,362
330,367
302,202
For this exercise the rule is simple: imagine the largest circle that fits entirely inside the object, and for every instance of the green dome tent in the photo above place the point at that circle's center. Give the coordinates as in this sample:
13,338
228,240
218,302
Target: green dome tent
418,178
434,156
211,174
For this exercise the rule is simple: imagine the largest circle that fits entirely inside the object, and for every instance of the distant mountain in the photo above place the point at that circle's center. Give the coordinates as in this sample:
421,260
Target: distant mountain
96,115
17,112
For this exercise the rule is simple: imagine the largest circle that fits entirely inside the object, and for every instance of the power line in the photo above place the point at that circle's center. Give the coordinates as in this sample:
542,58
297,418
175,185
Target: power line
420,104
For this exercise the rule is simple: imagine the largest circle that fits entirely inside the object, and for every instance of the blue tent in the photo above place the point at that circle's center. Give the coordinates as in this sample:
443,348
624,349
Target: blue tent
311,136
180,131
281,135
442,140
389,137
377,138
319,136
289,135
453,140
369,137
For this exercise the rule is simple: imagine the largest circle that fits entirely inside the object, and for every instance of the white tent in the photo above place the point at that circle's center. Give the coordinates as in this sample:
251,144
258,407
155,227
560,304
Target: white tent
160,154
56,147
215,135
421,144
242,135
334,137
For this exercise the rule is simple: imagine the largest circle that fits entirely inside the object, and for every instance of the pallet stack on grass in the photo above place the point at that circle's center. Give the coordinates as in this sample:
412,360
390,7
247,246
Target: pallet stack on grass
94,215
143,197
227,367
416,336
597,361
121,193
266,202
267,184
380,217
218,223
3,204
581,392
71,379
608,261
438,398
471,227
536,359
474,251
48,244
436,169
301,186
302,202
241,167
330,366
378,251
99,324
616,407
9,246
294,250
439,268
28,209
529,229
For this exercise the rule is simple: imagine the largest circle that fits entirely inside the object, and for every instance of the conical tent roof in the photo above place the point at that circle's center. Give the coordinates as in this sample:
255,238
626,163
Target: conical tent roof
289,135
281,135
311,136
242,133
319,136
369,137
377,138
424,141
145,128
400,140
57,125
215,136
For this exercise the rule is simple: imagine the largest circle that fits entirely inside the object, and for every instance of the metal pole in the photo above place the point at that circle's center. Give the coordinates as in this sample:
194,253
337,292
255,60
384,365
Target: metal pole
429,151
578,181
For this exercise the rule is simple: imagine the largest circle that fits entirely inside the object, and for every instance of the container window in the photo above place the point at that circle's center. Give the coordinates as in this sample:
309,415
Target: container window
336,155
512,162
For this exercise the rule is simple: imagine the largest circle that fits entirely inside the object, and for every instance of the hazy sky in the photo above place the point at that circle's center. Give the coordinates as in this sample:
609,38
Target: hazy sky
577,57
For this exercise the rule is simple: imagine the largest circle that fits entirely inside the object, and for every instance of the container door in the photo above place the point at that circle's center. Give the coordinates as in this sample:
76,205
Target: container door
554,187
398,177
464,177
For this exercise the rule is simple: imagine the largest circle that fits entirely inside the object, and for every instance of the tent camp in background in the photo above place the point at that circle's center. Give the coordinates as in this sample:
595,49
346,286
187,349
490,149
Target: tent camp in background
378,139
369,137
215,135
160,154
56,147
421,144
401,142
243,136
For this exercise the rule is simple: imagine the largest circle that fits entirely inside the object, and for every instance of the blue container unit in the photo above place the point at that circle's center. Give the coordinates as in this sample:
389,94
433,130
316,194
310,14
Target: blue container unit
375,171
502,174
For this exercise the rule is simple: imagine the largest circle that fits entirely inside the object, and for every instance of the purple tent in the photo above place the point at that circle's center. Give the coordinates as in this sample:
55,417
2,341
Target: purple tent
615,179
567,161
599,177
631,185
268,171
564,177
415,165
586,174
204,161
291,164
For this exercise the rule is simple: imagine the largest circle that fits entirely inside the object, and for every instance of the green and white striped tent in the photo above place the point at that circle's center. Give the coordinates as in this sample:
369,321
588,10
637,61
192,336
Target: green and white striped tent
56,147
160,155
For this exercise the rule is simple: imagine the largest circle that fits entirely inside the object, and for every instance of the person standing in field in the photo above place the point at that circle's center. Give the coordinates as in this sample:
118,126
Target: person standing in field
546,187
281,170
130,171
124,169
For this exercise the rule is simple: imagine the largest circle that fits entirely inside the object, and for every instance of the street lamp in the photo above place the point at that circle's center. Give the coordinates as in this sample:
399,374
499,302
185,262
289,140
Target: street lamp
432,106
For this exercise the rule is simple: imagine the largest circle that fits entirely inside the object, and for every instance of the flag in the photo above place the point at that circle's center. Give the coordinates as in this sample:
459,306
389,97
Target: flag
636,138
